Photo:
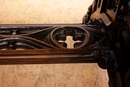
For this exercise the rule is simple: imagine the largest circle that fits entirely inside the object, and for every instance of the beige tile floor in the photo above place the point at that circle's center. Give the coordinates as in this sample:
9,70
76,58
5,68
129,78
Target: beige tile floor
59,75
42,11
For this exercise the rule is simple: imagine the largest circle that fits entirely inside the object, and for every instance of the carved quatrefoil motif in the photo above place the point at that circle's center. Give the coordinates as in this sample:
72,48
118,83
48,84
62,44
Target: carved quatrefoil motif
70,37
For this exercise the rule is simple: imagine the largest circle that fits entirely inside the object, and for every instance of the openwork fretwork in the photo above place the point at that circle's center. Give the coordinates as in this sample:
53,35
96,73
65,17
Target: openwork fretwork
48,43
51,37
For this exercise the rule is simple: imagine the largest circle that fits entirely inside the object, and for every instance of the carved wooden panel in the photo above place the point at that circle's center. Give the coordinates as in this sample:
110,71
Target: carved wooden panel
59,75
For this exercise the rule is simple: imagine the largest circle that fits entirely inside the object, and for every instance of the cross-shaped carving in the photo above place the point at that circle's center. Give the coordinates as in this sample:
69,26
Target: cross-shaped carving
69,41
70,37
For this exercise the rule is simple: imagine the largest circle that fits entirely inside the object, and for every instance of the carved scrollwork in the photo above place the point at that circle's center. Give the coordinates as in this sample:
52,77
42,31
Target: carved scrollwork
51,37
50,44
107,58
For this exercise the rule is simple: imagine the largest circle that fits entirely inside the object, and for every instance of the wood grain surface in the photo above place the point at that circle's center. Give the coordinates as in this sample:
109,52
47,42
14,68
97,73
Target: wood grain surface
48,75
